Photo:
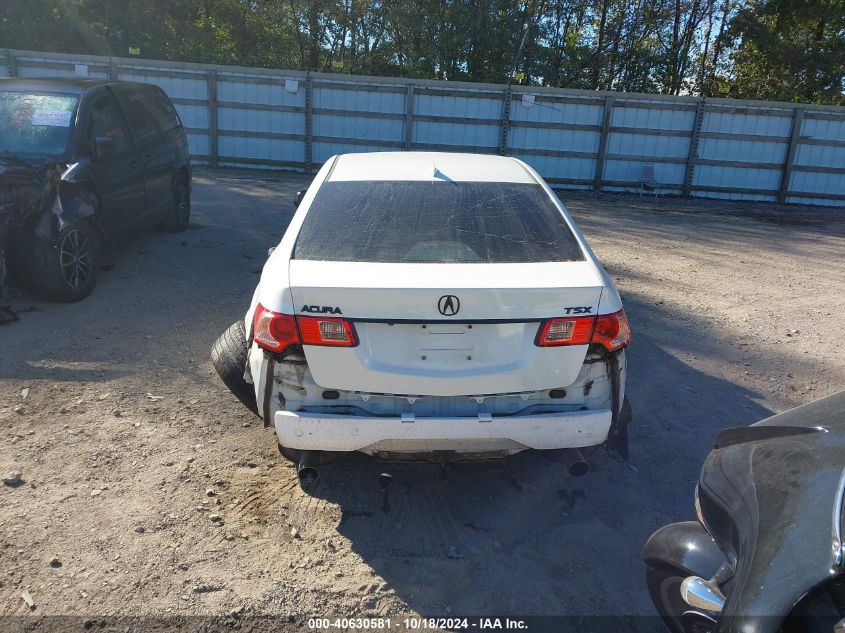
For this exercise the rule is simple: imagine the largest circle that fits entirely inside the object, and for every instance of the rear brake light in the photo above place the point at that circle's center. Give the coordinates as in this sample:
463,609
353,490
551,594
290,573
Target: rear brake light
272,330
612,331
327,331
571,331
609,330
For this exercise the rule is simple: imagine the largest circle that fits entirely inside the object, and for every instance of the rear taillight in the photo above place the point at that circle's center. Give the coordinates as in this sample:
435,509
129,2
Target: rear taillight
327,331
272,330
612,331
609,330
570,331
275,331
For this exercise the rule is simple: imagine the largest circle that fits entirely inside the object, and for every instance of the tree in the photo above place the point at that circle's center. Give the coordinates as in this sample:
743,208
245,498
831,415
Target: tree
765,49
789,51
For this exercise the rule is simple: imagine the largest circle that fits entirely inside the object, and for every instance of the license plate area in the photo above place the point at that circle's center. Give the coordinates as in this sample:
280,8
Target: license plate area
445,338
448,346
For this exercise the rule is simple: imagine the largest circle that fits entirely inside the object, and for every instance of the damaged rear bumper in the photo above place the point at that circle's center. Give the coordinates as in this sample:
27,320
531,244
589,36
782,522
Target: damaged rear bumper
482,433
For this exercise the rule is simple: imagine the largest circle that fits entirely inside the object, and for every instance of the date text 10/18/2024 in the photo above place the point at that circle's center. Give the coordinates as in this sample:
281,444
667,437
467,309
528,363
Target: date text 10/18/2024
417,624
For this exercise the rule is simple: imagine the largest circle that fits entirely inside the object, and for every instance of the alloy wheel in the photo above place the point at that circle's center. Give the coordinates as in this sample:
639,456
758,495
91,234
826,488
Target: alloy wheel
76,258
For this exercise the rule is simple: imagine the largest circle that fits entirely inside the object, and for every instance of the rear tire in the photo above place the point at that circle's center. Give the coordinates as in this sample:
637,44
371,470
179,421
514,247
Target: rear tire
229,356
179,217
664,586
67,271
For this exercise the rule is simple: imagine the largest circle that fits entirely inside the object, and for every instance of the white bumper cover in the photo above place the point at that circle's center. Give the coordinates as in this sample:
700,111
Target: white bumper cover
327,432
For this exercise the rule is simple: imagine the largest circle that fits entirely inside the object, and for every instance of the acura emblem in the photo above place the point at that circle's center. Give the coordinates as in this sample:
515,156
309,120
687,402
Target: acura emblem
449,305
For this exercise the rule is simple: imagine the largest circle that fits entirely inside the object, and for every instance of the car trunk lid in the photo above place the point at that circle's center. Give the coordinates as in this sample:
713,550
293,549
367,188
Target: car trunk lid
444,329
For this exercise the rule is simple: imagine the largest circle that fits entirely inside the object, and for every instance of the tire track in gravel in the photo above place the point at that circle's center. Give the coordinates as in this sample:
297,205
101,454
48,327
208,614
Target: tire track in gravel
359,498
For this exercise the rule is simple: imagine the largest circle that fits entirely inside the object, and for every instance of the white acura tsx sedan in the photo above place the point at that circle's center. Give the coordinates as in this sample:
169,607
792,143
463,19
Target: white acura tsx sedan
431,305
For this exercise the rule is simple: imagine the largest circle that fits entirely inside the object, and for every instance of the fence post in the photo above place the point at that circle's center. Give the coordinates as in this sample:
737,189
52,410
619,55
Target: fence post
114,75
506,121
212,118
605,132
309,123
786,174
12,62
409,117
693,148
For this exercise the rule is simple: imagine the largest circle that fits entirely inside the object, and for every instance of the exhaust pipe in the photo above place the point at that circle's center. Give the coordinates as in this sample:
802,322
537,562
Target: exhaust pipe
308,467
575,463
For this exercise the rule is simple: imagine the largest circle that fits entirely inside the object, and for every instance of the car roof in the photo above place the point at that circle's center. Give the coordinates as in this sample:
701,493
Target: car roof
429,166
68,85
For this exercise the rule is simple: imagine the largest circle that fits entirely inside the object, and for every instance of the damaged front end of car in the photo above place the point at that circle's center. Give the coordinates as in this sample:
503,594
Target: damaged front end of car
37,202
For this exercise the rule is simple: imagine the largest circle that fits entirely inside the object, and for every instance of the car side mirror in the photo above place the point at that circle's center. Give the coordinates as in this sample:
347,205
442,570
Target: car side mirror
298,198
104,148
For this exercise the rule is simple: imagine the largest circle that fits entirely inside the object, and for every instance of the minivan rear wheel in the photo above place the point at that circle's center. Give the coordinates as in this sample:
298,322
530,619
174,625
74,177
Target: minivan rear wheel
179,216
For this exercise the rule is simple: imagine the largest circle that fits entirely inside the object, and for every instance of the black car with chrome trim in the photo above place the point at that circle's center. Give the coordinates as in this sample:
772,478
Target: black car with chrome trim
84,162
766,552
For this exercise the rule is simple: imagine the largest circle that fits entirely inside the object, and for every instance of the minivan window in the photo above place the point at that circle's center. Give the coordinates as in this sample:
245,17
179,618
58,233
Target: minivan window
162,108
142,123
36,124
435,222
107,122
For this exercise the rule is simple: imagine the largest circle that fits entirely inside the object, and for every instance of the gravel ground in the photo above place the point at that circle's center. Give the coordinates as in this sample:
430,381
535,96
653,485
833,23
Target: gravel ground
149,490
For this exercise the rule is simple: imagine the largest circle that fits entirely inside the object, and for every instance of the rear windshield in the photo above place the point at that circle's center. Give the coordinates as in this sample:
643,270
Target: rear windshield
435,222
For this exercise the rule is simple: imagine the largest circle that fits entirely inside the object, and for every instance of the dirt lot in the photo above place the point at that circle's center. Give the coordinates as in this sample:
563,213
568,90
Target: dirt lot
128,443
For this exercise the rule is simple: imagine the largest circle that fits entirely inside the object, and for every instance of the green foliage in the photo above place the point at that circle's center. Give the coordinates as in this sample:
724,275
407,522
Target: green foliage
790,51
765,49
